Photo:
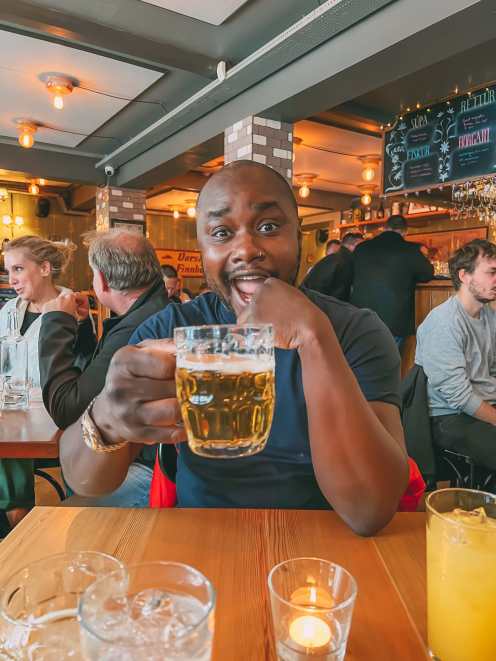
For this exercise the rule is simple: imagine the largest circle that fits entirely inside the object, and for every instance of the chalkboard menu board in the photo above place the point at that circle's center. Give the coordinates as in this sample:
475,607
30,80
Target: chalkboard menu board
446,142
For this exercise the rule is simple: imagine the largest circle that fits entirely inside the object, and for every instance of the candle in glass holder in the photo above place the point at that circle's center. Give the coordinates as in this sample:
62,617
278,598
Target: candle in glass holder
310,631
312,602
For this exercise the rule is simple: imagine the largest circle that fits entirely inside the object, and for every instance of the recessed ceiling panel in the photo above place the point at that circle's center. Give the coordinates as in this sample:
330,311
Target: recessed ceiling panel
339,169
26,178
23,59
209,11
172,199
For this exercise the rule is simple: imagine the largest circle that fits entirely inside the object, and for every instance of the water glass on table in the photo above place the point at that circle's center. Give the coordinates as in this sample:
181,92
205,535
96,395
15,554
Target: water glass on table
225,388
149,612
461,575
312,604
14,393
38,606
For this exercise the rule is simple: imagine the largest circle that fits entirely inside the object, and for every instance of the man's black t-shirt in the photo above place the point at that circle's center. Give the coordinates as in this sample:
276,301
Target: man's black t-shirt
282,475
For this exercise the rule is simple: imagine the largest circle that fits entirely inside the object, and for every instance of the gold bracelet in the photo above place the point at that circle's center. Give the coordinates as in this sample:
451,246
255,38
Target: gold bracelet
92,436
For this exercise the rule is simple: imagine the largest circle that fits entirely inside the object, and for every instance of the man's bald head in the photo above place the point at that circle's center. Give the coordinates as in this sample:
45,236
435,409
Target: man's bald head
248,231
238,173
126,259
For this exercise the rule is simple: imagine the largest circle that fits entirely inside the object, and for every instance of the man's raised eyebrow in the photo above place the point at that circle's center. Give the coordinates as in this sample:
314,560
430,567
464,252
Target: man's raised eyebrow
218,213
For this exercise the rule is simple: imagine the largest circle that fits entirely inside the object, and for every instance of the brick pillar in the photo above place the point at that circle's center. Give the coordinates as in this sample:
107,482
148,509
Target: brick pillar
126,204
262,140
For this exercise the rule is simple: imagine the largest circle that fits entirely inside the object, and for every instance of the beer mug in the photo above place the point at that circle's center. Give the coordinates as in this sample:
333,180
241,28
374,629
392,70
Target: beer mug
225,388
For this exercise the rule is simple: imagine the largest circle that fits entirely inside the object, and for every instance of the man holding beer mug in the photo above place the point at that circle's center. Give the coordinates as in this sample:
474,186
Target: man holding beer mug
336,438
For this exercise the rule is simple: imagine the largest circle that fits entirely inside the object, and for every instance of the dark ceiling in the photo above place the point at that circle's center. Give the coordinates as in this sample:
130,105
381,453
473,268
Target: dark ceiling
475,67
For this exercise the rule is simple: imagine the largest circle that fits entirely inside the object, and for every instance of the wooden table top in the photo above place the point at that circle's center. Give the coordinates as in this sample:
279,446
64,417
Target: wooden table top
236,549
30,434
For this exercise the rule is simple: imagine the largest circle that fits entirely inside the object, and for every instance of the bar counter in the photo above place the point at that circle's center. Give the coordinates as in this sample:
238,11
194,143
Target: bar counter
428,295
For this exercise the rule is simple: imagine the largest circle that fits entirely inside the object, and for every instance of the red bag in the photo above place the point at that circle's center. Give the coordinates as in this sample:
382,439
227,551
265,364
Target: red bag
162,490
414,491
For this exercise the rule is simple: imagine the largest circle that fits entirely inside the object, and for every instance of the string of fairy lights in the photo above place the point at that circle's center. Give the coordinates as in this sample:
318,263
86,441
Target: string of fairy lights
427,107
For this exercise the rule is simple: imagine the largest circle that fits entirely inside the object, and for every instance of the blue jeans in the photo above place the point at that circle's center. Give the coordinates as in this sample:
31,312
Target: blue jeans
133,492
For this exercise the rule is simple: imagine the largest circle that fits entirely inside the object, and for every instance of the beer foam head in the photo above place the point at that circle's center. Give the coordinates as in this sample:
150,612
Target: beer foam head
226,364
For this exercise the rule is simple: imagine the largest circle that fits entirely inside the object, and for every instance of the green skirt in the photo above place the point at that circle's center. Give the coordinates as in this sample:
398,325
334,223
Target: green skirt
16,483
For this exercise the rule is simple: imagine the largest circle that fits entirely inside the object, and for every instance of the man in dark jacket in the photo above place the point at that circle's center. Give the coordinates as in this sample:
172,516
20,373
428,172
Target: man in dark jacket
127,279
333,275
386,271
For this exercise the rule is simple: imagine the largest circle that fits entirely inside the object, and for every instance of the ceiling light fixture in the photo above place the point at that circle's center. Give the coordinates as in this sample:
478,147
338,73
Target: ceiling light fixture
191,208
27,129
58,86
368,173
304,191
366,197
370,165
304,181
42,182
7,220
34,189
176,214
19,220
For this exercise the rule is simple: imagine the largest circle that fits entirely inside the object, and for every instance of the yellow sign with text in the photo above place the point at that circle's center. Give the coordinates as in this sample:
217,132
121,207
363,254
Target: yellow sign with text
186,262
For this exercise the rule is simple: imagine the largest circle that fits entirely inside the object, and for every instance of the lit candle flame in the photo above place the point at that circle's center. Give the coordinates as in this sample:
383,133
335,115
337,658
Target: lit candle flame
310,631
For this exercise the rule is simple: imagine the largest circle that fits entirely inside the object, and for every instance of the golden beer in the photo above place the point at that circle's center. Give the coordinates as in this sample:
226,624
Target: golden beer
227,407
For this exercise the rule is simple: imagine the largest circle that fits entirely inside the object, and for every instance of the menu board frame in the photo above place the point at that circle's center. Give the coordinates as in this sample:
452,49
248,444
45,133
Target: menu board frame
442,144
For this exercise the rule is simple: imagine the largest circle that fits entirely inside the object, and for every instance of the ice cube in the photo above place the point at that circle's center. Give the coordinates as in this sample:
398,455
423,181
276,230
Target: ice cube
470,517
152,603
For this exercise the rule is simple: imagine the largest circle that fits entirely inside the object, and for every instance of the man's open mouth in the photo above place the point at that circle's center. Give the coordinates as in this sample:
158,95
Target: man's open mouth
246,284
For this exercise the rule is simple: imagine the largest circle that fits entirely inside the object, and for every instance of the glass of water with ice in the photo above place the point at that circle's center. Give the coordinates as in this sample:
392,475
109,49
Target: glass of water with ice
38,605
149,612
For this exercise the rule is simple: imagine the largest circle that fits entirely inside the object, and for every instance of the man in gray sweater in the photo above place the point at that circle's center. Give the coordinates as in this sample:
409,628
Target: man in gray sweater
456,346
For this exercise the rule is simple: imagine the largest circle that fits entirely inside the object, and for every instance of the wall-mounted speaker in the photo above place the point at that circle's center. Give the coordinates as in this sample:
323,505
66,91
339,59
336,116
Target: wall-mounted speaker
321,236
42,207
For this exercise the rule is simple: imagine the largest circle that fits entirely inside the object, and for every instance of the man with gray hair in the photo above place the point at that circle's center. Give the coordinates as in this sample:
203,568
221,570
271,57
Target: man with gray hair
126,279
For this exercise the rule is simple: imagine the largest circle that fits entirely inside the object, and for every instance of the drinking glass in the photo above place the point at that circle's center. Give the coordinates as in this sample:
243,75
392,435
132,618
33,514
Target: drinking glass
149,612
312,604
14,373
225,388
461,574
38,606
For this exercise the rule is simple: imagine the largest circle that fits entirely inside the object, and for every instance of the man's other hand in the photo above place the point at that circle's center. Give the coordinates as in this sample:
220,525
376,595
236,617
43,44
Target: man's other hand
294,317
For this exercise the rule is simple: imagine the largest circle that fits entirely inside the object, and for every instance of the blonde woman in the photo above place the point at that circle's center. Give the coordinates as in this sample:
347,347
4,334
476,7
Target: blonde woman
33,264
